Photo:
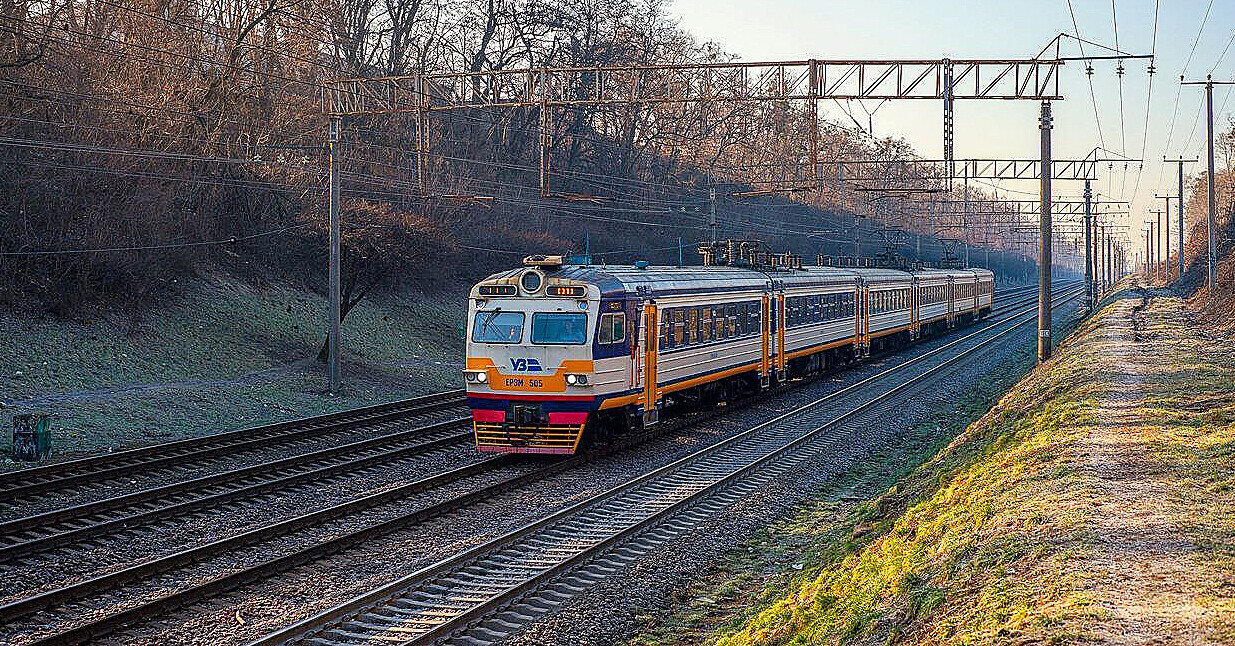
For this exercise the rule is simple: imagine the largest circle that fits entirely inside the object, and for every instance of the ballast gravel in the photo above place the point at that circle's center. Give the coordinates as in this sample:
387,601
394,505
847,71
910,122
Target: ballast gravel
599,616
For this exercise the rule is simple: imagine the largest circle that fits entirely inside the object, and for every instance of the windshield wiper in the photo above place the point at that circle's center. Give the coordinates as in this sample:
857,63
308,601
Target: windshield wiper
484,325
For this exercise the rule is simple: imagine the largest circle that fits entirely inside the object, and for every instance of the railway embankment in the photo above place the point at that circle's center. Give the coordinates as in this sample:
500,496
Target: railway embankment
1094,503
223,354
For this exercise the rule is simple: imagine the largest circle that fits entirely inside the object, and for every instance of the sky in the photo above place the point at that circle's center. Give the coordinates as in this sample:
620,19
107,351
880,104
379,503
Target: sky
1187,42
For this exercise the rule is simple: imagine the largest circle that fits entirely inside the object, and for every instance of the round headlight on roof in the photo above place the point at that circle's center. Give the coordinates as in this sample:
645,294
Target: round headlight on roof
531,281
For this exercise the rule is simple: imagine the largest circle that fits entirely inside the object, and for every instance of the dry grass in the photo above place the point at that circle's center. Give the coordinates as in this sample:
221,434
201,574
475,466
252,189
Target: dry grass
1093,503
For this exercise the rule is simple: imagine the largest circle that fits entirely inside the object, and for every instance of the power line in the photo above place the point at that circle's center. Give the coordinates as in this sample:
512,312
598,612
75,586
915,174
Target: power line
176,245
1089,72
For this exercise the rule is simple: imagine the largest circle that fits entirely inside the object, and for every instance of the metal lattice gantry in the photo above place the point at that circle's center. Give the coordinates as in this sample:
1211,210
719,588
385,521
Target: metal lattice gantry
1033,79
716,83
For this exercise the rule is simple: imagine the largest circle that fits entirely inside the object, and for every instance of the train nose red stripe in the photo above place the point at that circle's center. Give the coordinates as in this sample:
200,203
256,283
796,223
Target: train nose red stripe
482,415
567,418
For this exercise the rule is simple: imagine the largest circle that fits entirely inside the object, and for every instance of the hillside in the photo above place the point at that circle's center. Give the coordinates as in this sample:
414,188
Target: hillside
222,355
1093,504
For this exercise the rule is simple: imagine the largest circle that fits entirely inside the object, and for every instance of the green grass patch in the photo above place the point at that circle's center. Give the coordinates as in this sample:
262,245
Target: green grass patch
224,355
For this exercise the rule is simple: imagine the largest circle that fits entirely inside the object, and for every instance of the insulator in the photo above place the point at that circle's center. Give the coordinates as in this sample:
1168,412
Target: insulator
1089,69
1119,69
1152,69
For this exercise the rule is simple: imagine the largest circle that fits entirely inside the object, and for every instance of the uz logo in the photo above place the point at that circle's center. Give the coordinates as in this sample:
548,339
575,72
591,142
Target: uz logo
520,364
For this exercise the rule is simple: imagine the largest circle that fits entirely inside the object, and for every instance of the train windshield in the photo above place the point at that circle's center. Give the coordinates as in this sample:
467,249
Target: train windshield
560,328
497,327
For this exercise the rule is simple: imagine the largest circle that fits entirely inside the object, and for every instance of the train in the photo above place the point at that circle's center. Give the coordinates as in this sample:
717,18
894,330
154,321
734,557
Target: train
561,353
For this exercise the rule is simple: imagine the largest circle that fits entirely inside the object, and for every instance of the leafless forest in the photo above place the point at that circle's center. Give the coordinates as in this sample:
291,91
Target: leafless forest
146,141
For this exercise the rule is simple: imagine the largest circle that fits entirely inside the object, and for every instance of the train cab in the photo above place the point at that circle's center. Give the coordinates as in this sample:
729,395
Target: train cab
529,370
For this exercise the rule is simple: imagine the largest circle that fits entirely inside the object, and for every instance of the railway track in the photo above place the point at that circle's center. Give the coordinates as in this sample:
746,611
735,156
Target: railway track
177,456
616,527
77,593
58,527
173,456
32,534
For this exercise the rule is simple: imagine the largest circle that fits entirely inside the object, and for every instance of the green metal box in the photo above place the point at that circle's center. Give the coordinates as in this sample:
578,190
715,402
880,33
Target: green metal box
31,437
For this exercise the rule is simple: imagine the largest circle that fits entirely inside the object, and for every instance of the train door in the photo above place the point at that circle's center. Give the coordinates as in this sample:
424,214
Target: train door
951,303
765,327
650,339
914,310
779,321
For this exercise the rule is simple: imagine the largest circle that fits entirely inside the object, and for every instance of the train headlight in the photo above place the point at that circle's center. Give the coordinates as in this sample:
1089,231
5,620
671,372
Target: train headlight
475,376
531,281
576,380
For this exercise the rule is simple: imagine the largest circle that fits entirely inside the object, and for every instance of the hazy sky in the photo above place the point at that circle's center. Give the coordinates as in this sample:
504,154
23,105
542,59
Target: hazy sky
799,29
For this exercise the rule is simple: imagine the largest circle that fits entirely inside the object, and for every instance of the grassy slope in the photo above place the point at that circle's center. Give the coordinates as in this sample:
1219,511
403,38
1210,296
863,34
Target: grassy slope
987,541
224,355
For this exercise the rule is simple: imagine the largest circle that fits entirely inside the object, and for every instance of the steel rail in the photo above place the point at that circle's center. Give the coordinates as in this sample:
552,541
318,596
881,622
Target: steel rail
273,566
61,475
440,598
56,528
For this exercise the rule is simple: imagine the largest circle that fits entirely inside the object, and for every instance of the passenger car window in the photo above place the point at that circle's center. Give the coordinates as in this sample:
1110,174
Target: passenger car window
559,328
613,328
497,327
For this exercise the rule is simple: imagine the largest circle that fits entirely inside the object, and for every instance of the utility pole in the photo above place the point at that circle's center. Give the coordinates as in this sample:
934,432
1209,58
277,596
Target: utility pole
1181,161
712,214
1149,234
335,278
1166,234
1209,83
1044,242
1089,292
1157,255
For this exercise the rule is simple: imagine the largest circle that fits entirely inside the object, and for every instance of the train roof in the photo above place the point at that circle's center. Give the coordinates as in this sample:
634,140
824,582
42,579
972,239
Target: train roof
617,280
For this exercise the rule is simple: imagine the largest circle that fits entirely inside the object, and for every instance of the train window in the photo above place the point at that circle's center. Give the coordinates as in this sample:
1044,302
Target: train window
731,317
613,328
559,328
679,327
498,327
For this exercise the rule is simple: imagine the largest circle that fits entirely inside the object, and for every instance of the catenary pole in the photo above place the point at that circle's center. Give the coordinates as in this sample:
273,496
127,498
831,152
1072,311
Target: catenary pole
1044,241
1089,293
335,277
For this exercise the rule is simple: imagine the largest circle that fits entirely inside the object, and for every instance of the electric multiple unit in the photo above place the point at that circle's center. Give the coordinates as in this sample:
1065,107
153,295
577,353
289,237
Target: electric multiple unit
558,353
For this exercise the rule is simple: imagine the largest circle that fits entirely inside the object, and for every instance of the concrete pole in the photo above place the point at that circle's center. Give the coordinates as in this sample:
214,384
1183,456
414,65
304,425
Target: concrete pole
1213,204
1181,217
712,224
335,276
1158,255
1089,295
1044,239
